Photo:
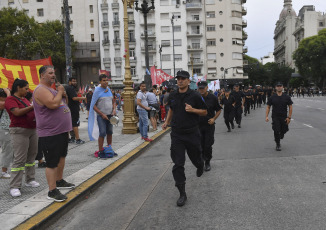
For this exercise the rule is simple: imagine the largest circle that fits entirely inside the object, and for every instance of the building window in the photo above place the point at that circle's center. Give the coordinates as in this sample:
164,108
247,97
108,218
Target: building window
321,24
211,28
195,43
26,12
210,14
165,43
178,57
197,71
105,17
94,70
211,56
91,9
118,71
211,42
71,24
131,35
92,37
39,0
195,29
165,29
236,14
106,35
166,57
167,71
25,1
92,23
40,12
93,53
164,15
236,27
116,16
130,16
210,2
177,28
177,42
164,2
132,52
236,41
222,69
237,1
133,70
237,56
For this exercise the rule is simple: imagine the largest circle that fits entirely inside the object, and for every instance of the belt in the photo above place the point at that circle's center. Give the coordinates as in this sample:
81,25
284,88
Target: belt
185,131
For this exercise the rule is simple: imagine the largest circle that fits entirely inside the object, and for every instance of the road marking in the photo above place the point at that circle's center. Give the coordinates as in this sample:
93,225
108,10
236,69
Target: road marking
308,125
321,109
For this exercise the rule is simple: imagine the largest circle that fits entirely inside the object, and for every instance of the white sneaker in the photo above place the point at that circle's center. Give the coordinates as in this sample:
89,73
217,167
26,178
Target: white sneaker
15,192
32,184
5,175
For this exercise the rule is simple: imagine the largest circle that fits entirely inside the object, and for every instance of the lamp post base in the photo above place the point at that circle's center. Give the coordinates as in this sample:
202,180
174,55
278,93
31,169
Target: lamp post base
129,120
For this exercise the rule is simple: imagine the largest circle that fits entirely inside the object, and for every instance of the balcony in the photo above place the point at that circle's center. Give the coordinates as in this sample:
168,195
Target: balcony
106,42
244,1
115,5
132,41
117,59
149,22
107,60
117,42
194,21
244,23
151,63
195,47
105,24
244,36
150,35
245,49
245,62
104,6
116,23
193,6
133,59
194,34
151,49
244,11
131,22
196,62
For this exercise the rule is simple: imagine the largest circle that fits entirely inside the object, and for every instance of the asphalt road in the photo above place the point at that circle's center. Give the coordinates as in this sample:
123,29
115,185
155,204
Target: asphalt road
250,186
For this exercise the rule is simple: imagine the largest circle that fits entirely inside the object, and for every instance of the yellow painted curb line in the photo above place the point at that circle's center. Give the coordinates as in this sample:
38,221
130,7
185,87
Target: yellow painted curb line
54,207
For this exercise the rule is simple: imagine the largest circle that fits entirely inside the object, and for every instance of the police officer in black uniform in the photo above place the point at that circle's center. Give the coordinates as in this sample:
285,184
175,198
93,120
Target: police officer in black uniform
239,102
207,123
280,117
186,106
248,100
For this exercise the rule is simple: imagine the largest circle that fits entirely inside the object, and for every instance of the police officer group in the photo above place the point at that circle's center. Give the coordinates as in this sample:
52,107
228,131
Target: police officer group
192,116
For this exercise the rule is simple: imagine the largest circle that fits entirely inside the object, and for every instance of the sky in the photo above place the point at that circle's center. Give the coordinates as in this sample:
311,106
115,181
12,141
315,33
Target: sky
262,16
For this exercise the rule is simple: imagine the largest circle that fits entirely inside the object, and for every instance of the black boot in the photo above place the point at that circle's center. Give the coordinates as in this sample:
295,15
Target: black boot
183,197
207,166
278,147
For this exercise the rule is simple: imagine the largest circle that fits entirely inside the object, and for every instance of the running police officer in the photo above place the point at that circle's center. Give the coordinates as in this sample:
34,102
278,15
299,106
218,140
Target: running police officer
280,117
248,99
207,123
239,102
186,106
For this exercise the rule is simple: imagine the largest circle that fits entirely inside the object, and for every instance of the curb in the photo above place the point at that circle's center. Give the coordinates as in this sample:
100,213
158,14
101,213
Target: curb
51,213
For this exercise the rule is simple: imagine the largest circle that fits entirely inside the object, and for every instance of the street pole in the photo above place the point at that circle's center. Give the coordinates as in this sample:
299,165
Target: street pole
160,51
129,120
192,64
67,40
145,10
172,22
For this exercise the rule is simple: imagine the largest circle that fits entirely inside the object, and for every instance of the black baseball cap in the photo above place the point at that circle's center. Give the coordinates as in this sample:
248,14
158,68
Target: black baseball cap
183,73
227,90
279,84
202,84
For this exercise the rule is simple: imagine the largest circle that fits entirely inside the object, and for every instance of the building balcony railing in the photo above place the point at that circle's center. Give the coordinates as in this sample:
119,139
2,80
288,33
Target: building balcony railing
244,36
104,6
105,42
149,22
194,21
117,59
116,23
193,6
107,60
150,49
244,23
245,49
151,63
195,47
196,61
132,40
131,22
115,5
133,59
117,41
194,34
245,62
105,24
150,35
244,11
244,1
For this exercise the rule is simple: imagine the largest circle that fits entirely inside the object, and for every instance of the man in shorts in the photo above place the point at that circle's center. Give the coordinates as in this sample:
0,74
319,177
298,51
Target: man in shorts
53,124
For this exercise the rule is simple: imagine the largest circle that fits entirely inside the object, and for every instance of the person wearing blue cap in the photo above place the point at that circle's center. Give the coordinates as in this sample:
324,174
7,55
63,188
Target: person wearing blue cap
280,116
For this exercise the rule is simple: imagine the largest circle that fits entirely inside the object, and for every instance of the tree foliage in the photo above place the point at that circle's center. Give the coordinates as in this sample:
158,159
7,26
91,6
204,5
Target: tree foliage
21,37
310,57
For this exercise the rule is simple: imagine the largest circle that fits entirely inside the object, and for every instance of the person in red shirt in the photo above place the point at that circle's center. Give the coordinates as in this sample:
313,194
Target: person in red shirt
23,135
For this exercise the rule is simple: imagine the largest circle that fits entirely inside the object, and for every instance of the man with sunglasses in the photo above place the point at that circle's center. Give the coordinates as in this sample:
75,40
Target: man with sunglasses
280,117
186,106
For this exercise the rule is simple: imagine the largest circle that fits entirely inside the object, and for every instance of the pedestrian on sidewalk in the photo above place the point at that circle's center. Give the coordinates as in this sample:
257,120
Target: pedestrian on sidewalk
207,123
280,116
228,103
142,108
74,106
5,142
23,137
153,104
102,108
89,96
186,106
53,124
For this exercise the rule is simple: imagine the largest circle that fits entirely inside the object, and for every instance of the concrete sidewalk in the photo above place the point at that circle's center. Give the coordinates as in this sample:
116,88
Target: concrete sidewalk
81,165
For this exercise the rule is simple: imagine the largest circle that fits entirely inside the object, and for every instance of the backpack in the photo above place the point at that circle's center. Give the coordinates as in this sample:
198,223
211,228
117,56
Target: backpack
107,152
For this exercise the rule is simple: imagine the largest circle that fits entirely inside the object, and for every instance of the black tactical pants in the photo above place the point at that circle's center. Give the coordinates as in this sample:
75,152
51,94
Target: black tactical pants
280,128
247,106
180,143
238,114
207,140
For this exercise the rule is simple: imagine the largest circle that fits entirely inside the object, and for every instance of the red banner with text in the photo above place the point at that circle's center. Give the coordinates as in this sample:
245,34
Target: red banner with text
158,76
27,70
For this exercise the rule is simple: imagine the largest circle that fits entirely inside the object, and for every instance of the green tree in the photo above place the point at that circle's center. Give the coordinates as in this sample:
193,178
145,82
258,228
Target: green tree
310,58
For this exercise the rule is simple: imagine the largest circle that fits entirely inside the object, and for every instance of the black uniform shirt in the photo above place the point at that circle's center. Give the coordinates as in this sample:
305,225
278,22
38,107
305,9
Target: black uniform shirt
247,96
269,92
181,119
71,92
228,103
238,97
280,104
212,107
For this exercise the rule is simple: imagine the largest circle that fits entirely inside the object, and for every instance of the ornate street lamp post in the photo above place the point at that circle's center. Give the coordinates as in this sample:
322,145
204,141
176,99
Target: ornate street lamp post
145,10
129,120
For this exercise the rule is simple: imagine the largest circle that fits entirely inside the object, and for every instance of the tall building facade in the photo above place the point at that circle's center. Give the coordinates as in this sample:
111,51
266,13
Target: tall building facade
208,38
84,29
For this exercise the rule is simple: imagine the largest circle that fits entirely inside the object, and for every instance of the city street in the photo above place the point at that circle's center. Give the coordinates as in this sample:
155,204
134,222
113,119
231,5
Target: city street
250,186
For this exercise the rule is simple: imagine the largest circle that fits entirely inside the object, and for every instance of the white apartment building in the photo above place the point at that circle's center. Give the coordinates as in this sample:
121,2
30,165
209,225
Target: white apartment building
309,22
84,29
267,58
208,38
